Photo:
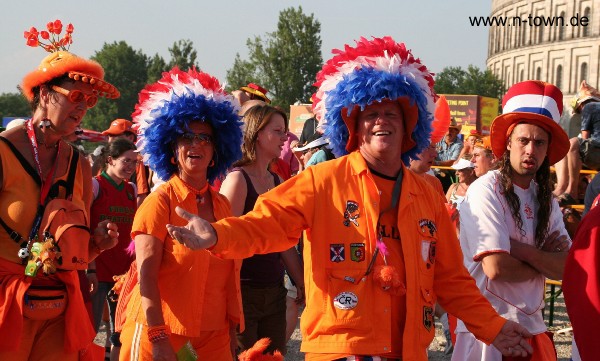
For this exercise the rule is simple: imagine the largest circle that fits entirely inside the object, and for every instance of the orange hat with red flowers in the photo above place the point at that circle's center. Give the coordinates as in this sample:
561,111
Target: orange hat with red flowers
61,62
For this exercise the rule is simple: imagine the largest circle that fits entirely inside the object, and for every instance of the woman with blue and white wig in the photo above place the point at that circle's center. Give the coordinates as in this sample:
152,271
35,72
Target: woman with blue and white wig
189,134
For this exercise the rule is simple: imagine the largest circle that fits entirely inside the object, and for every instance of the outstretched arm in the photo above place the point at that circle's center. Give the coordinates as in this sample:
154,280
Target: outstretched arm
197,234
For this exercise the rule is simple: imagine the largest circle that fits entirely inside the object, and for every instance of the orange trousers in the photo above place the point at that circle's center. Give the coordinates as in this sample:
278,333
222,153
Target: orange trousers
42,340
211,345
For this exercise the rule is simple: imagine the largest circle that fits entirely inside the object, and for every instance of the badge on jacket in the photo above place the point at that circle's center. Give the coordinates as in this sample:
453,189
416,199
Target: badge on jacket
336,252
345,301
428,252
351,213
357,252
427,317
428,225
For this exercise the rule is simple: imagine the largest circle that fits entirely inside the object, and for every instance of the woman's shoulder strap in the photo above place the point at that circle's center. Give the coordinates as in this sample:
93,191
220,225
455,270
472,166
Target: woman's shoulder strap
24,163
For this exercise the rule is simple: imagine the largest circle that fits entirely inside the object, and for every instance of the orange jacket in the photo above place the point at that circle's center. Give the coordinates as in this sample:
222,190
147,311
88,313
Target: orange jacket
346,317
185,280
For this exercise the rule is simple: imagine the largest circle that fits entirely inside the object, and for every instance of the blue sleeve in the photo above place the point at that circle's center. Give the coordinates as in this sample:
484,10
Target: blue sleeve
589,114
455,152
317,158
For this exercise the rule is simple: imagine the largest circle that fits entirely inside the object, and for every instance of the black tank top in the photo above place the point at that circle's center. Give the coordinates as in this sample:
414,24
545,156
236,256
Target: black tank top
260,270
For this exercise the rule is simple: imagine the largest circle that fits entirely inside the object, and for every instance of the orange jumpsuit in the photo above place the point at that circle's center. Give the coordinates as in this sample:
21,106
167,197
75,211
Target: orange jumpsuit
346,312
200,292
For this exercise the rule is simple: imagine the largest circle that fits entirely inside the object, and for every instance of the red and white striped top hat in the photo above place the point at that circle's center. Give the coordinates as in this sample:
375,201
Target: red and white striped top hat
531,102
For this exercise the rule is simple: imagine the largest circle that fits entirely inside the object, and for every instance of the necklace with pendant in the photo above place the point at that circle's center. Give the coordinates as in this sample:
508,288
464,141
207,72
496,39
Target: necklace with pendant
199,193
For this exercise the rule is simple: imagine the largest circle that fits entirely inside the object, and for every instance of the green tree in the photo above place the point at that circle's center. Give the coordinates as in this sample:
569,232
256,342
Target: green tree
456,80
183,55
156,66
242,73
286,61
125,68
14,105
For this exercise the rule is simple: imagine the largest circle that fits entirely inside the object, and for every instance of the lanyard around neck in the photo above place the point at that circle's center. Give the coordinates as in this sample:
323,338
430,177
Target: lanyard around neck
46,183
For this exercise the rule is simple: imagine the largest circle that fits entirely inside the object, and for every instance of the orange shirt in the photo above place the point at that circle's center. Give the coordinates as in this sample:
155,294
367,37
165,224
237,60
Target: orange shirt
20,196
435,183
141,177
18,204
199,291
338,203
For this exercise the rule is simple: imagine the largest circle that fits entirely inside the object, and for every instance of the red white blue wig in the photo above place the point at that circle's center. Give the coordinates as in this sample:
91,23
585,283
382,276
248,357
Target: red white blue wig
165,110
372,71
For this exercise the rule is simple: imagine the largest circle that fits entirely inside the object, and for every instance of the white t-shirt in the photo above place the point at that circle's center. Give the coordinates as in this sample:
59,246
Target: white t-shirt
486,226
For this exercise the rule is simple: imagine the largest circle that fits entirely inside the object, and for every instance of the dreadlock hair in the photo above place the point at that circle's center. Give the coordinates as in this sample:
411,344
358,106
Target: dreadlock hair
544,197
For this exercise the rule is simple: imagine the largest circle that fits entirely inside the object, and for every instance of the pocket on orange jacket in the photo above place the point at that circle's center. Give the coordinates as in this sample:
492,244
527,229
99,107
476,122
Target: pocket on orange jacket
347,303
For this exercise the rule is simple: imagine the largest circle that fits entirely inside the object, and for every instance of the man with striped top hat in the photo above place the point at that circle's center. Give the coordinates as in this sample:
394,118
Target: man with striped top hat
513,236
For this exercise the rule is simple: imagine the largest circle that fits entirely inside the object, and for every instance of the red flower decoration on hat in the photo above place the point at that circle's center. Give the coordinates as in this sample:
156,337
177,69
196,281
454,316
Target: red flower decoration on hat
55,27
52,35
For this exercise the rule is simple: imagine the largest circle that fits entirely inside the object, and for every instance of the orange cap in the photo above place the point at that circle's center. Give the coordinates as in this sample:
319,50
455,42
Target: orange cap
118,127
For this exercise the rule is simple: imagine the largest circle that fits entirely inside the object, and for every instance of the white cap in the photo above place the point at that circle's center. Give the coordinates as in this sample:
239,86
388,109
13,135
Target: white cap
462,164
315,143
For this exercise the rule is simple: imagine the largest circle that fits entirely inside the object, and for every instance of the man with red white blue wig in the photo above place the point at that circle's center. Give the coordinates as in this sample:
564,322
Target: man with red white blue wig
380,249
512,232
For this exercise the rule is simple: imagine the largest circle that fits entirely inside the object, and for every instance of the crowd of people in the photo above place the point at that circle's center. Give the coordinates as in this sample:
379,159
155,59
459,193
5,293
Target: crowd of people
203,226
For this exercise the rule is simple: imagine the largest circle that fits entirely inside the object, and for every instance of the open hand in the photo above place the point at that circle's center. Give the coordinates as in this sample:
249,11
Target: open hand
511,340
197,234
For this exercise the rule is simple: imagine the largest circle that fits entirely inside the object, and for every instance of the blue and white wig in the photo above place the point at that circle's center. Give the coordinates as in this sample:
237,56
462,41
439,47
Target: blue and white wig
165,110
375,70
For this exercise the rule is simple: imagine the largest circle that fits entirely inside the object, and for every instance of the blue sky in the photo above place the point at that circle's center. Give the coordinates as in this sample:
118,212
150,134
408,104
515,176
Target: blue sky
437,31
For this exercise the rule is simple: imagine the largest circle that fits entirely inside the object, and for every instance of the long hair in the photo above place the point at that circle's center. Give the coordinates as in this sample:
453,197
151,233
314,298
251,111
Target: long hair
255,119
544,197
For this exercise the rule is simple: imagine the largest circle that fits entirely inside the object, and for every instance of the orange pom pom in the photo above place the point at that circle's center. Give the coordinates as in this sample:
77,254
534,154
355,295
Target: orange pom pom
256,352
389,280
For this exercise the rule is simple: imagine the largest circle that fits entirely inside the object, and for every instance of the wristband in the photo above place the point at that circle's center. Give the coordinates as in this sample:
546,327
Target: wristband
158,333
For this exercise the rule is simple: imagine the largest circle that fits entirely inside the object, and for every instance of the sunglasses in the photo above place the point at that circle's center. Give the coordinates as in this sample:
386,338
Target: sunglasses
77,96
202,138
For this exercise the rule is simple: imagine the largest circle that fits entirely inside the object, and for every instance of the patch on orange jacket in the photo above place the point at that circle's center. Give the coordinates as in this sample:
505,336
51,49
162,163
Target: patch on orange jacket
351,213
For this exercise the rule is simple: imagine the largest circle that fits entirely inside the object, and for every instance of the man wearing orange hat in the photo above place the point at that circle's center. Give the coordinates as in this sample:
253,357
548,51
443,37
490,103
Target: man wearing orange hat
483,157
512,233
380,249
